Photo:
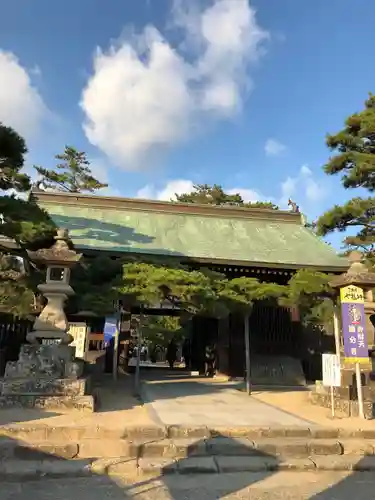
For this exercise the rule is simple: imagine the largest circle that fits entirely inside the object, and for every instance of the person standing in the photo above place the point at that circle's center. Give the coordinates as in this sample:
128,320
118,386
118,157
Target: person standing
186,353
171,353
209,361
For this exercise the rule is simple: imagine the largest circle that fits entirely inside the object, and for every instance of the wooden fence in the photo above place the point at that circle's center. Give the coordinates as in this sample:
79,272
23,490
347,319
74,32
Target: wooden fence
13,333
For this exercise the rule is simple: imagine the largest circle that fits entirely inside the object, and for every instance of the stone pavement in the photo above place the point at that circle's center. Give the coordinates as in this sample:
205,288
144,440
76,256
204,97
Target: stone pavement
245,486
297,402
118,409
175,399
186,401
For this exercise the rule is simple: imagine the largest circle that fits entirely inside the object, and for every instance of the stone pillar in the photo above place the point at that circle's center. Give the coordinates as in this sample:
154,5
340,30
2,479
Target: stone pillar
47,375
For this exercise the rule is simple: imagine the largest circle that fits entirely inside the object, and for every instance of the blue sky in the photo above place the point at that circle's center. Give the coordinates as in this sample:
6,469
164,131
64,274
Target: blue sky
165,93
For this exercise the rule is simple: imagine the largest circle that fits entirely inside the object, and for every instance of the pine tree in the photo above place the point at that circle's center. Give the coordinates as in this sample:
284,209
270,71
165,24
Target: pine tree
24,226
355,161
215,195
12,154
72,174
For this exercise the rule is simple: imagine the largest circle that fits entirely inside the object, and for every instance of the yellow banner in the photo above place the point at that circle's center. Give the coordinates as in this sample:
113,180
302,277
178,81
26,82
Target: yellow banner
352,294
362,361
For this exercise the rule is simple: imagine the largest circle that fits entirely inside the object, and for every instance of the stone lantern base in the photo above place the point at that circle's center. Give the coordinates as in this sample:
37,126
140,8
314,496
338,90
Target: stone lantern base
345,397
47,377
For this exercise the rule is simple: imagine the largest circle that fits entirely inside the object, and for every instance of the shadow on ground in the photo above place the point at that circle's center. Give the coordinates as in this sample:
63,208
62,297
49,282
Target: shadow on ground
177,481
115,395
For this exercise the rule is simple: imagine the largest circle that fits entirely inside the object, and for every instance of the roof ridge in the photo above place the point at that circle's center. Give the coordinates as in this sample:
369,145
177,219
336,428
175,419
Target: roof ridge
112,202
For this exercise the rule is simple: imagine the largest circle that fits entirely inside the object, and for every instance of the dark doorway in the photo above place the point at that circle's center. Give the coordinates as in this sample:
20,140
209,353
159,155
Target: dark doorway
204,332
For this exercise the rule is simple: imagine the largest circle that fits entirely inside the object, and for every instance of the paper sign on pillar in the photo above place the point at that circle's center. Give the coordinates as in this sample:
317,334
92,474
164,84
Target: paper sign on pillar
79,332
331,370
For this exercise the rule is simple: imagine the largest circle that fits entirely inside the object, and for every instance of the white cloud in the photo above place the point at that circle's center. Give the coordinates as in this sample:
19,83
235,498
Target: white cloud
181,186
21,105
302,187
288,187
305,171
248,195
144,94
273,147
168,192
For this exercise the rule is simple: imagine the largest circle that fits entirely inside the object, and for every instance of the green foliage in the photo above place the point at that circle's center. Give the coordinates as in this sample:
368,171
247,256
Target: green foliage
25,223
238,294
159,330
355,146
95,282
16,296
310,290
73,173
355,161
145,282
23,226
30,228
203,291
215,195
12,153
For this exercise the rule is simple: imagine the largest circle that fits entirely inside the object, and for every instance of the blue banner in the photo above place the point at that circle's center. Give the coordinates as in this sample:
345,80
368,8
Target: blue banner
110,330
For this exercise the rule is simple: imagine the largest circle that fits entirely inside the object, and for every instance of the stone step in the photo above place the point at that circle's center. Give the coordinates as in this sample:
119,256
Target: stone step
232,464
180,449
19,470
76,433
80,403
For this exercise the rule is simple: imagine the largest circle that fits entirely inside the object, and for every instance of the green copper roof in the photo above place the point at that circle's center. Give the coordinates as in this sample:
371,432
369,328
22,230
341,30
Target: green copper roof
259,240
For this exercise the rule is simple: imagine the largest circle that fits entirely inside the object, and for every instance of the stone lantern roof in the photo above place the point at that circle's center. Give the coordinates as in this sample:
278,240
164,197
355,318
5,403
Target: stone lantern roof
60,254
357,274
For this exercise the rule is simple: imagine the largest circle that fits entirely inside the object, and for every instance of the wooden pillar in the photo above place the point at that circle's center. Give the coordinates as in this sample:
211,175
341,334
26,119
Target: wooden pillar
223,347
237,346
370,311
294,314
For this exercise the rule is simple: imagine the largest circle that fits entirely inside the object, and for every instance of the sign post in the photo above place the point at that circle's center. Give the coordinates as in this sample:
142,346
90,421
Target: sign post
331,375
354,333
137,326
336,329
110,328
111,335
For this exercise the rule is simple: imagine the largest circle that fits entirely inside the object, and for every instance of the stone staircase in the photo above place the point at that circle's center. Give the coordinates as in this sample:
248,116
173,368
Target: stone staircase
39,451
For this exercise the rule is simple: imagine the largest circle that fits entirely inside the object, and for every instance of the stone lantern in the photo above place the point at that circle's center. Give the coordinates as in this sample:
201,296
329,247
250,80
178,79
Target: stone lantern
52,324
47,375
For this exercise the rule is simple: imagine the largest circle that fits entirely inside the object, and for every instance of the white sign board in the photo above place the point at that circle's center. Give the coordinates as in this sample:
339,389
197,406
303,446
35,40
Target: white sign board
331,370
79,332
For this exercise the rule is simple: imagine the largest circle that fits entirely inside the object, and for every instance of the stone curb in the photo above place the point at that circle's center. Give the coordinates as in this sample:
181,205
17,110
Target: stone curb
68,433
14,470
12,449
